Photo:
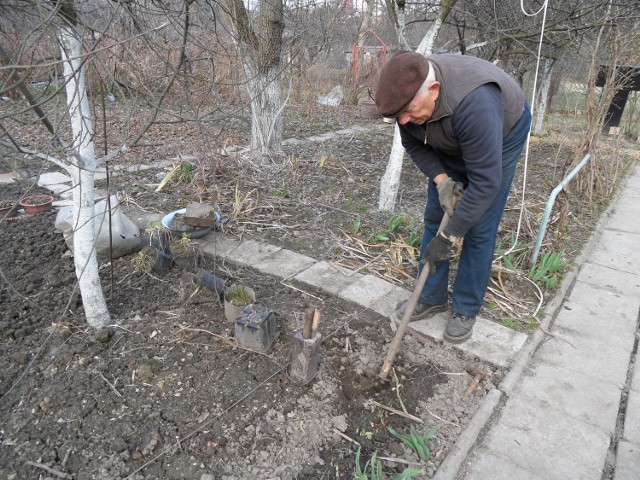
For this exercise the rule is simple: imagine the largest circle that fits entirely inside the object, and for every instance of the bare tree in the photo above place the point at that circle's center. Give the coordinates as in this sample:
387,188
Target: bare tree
260,51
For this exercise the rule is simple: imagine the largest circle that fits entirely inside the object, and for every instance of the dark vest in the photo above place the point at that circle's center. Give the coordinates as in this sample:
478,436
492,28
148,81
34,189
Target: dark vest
458,76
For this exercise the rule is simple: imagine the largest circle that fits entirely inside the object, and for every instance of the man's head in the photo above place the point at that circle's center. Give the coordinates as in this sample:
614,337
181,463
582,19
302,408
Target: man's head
407,88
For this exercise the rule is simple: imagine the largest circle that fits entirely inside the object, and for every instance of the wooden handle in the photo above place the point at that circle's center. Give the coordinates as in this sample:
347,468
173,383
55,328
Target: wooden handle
411,306
315,323
308,323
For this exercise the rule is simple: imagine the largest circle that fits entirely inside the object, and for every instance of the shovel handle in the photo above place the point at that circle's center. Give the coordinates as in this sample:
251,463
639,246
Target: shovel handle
411,306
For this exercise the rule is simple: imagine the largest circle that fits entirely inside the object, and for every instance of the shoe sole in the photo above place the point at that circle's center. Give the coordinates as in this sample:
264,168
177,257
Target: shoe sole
396,317
460,339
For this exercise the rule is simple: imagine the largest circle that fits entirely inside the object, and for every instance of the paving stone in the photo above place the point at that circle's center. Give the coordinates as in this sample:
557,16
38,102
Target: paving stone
631,430
573,350
52,178
220,246
626,214
547,441
6,177
490,341
388,304
599,312
588,398
284,263
607,277
250,252
627,461
618,249
486,466
367,290
330,278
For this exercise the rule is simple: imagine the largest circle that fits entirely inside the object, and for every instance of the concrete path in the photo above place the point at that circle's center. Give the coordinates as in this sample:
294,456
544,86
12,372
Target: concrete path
571,408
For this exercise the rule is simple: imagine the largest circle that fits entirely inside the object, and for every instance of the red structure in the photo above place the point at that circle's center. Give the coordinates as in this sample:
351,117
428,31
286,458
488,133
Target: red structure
367,59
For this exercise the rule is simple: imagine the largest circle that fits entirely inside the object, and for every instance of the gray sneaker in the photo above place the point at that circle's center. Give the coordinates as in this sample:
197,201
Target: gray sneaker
459,328
421,311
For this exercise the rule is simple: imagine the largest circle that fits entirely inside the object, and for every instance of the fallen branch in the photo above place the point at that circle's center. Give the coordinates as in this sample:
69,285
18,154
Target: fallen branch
398,412
346,437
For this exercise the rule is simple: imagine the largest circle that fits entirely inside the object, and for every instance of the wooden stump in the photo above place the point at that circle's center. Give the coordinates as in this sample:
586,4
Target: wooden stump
305,357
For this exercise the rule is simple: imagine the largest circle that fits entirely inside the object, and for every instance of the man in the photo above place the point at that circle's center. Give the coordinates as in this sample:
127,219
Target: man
461,119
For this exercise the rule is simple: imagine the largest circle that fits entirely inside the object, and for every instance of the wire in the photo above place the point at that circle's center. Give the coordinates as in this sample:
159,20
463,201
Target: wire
533,107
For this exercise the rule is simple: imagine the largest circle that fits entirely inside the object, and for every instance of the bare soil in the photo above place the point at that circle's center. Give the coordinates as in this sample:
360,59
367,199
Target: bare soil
165,392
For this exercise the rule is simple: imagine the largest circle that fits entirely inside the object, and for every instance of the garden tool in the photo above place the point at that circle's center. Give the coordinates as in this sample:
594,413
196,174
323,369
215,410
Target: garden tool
413,300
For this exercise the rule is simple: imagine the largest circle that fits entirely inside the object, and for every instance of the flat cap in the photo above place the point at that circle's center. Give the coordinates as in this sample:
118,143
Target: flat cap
400,79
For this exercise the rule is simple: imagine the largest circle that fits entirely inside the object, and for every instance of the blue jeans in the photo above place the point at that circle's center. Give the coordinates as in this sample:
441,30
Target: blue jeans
474,269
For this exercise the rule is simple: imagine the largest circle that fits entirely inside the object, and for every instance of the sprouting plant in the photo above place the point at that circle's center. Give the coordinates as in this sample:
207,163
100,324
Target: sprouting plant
372,469
548,270
185,239
186,172
395,223
512,256
283,192
408,473
357,226
414,240
416,441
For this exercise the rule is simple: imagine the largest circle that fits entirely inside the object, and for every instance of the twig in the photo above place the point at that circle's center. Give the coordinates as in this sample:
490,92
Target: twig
301,291
50,470
346,437
399,460
395,377
441,419
398,412
110,384
556,336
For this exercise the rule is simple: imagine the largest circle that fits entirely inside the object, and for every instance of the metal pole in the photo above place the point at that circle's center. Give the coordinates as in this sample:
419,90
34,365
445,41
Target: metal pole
549,207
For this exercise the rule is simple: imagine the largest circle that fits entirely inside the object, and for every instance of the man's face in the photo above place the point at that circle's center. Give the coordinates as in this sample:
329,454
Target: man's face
421,108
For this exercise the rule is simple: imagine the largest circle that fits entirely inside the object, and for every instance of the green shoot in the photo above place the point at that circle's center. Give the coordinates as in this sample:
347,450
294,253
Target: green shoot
417,442
548,271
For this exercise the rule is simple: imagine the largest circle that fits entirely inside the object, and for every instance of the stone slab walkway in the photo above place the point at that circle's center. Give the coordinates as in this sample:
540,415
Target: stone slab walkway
576,407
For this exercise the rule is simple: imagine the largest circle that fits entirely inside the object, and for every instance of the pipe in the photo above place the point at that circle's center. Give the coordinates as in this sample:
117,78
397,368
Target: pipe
549,207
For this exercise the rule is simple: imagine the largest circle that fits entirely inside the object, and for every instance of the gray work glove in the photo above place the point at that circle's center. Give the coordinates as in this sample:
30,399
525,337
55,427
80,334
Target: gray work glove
449,193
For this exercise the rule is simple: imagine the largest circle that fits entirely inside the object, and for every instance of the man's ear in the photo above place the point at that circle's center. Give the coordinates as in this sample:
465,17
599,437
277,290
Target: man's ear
434,90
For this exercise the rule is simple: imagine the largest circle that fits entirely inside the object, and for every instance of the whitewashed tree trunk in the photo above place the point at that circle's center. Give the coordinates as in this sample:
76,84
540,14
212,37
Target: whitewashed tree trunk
266,108
82,170
260,49
544,95
390,182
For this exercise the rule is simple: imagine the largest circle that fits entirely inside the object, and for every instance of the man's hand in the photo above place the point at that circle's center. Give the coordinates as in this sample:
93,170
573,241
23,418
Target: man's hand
449,193
438,250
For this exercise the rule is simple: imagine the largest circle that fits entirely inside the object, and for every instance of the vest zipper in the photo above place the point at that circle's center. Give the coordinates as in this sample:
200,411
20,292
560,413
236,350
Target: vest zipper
425,134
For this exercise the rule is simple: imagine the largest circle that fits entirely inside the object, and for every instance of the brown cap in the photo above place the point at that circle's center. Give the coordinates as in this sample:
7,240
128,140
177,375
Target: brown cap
400,79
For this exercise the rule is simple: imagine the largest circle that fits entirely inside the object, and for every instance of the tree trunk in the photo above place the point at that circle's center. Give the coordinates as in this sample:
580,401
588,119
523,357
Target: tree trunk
266,109
82,171
261,52
390,182
544,95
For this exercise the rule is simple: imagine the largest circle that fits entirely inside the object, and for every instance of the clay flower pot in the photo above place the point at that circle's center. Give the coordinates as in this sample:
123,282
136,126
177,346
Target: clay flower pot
38,203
